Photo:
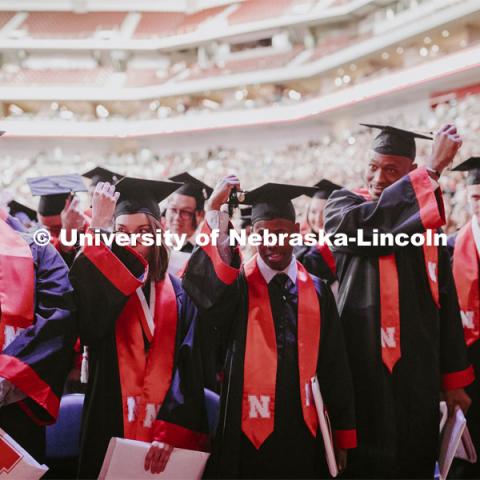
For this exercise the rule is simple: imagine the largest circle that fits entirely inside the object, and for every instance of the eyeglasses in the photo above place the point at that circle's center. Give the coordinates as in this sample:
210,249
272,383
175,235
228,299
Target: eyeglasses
183,214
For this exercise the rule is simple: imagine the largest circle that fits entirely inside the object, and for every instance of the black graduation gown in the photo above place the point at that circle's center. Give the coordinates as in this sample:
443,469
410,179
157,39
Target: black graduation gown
36,362
187,248
210,351
397,415
69,256
182,420
290,452
100,302
313,261
468,470
212,354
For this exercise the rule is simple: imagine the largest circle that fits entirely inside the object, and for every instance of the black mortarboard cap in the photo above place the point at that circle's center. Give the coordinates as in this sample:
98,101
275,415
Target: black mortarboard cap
138,195
274,200
324,189
472,166
245,215
245,212
100,174
17,207
193,187
54,191
395,141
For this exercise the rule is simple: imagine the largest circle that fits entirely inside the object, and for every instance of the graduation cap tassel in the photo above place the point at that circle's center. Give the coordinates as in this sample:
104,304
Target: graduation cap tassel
84,367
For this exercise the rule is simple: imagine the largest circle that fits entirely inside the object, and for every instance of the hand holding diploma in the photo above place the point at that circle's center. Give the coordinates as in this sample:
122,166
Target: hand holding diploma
457,398
157,457
126,459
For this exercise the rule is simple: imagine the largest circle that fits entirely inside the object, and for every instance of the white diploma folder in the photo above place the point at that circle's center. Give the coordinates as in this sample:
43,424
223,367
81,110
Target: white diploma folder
325,428
455,440
125,459
16,463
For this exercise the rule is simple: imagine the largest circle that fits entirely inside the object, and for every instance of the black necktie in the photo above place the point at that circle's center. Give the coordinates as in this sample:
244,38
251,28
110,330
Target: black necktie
283,303
281,282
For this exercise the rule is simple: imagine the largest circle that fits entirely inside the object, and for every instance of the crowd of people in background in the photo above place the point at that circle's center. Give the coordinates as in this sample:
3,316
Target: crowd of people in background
338,156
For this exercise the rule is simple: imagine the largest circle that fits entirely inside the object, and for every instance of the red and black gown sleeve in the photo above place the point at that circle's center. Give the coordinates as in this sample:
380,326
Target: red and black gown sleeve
103,280
454,363
208,279
411,205
38,360
182,419
334,373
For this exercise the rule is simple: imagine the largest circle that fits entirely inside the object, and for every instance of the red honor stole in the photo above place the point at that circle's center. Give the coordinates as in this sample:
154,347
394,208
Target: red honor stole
390,297
260,365
328,257
465,272
145,377
17,284
390,301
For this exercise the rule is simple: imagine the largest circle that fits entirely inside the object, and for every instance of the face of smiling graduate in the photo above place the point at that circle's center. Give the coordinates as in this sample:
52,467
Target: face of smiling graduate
277,257
385,170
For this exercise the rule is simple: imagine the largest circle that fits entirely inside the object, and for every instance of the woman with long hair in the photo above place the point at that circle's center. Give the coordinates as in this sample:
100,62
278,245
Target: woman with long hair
139,326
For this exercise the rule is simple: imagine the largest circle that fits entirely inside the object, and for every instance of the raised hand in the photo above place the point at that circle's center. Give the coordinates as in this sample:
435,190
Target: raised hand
72,217
222,191
446,144
104,201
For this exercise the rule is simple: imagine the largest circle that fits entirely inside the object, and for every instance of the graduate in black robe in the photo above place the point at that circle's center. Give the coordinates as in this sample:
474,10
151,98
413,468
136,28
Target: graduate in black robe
318,259
272,439
399,309
465,253
37,331
134,325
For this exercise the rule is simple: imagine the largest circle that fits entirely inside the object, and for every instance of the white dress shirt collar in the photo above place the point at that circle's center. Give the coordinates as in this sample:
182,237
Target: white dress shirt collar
268,273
